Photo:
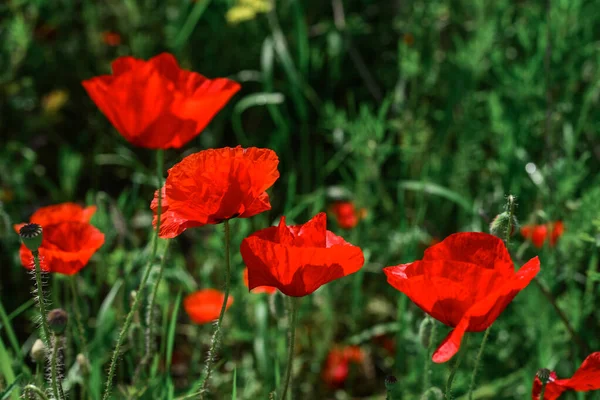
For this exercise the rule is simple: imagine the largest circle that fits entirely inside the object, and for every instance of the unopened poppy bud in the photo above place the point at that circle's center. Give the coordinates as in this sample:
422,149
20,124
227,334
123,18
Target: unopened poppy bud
277,305
38,351
57,320
31,236
543,374
502,223
425,331
84,364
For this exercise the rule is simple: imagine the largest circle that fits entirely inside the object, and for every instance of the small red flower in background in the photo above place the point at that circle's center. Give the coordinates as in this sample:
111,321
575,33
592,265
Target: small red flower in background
111,38
211,186
346,215
538,234
586,378
337,365
69,241
298,260
259,289
156,104
204,306
465,282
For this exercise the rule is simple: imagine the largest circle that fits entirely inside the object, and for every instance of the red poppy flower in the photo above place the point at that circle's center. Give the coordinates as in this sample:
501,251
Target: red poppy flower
538,234
211,186
259,289
205,305
155,104
465,282
346,215
298,260
111,38
586,378
337,365
69,241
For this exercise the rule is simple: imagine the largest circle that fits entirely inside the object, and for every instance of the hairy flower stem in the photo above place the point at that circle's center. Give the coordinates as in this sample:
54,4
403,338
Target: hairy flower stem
459,356
78,318
149,334
36,390
136,301
40,297
292,339
54,368
543,391
477,361
427,369
510,208
216,338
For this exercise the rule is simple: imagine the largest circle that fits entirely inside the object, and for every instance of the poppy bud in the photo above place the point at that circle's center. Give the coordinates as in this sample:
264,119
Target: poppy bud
425,331
502,223
544,374
57,320
84,364
31,236
277,305
38,351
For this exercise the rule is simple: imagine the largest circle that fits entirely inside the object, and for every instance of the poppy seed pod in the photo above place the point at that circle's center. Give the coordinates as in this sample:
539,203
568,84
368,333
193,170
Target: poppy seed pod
31,236
57,320
543,374
38,351
501,225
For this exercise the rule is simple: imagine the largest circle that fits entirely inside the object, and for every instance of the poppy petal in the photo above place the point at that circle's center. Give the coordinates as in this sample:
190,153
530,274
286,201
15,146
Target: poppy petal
587,377
451,344
478,248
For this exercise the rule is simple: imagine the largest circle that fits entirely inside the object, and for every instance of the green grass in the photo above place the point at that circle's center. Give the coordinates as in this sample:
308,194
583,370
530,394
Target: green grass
425,113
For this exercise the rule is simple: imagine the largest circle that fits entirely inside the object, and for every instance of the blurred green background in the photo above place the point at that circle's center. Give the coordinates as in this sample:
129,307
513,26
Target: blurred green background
426,113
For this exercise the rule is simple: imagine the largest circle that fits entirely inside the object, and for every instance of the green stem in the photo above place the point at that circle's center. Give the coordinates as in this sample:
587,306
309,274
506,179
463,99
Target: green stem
78,318
150,315
543,391
216,338
427,370
459,356
477,361
40,292
39,392
292,336
511,213
136,300
54,367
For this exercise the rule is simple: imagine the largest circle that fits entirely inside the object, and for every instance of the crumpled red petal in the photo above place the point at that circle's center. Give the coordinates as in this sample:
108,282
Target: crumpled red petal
298,260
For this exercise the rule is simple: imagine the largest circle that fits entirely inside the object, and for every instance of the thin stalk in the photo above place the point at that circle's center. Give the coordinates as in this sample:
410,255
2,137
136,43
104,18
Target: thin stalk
427,373
543,391
78,318
477,361
459,356
150,315
34,389
216,338
510,208
54,367
40,292
292,336
136,300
